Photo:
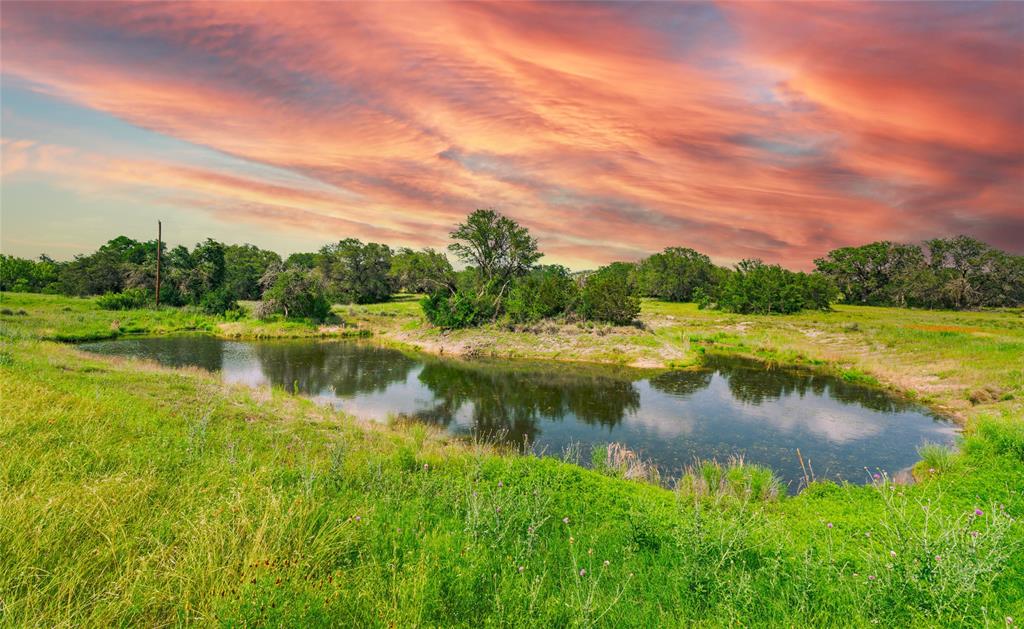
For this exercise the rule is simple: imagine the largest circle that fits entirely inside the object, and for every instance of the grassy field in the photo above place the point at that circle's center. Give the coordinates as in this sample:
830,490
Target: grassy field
135,494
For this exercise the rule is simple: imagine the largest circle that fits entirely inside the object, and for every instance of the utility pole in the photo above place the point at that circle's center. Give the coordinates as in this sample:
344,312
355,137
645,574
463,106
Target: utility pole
159,242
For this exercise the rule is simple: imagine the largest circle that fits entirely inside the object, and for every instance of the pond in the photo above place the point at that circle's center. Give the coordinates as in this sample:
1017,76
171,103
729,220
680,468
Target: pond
730,408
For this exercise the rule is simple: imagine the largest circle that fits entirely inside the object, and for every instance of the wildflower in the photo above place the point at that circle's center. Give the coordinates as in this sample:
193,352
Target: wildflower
606,563
426,466
521,568
590,551
856,574
876,476
565,520
938,557
867,534
974,534
359,519
583,572
931,470
529,530
1009,620
892,553
497,509
979,512
572,540
829,525
501,484
871,577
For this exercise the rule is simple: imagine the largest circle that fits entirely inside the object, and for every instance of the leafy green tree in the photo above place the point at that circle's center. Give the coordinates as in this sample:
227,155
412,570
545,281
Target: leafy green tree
880,273
303,260
294,292
244,266
28,276
758,288
198,272
609,294
674,273
355,272
544,292
423,271
96,274
970,273
499,248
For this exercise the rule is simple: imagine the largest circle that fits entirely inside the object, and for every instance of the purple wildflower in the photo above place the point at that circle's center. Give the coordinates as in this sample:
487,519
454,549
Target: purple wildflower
829,525
871,577
979,512
583,572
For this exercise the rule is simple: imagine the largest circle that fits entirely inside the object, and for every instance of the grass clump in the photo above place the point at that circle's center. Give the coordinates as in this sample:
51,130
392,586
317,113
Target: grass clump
936,458
734,479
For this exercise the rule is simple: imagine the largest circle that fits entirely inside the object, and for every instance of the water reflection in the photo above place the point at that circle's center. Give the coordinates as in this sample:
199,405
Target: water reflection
731,408
509,404
344,369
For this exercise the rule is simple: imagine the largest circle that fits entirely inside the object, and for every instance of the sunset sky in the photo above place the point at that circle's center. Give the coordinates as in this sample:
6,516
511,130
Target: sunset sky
770,130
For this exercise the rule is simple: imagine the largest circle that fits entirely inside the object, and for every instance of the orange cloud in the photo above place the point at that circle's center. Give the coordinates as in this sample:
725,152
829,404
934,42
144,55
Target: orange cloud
752,129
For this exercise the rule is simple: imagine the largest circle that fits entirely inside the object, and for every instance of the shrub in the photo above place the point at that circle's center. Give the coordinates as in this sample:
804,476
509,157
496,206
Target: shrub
608,295
461,309
294,292
218,302
546,292
758,288
127,300
675,273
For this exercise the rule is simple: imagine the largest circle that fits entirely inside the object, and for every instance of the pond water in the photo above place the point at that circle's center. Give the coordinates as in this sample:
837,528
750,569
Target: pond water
731,408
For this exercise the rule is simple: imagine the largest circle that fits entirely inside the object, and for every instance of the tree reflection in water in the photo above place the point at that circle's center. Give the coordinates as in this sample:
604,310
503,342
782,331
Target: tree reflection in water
507,403
754,382
344,368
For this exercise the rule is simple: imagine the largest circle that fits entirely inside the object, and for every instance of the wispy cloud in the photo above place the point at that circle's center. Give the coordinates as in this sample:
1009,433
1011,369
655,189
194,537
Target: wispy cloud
749,129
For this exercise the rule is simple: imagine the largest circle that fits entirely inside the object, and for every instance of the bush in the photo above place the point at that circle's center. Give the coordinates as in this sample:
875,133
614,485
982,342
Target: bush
461,309
127,300
295,292
674,274
608,295
758,288
218,302
546,292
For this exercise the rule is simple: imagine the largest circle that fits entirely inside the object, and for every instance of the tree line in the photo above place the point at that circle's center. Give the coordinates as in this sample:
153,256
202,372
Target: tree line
502,280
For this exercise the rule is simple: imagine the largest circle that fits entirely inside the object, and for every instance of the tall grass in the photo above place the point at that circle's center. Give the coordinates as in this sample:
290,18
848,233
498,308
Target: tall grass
136,495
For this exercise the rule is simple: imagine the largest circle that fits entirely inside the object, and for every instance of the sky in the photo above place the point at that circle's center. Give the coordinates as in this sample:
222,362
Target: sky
771,130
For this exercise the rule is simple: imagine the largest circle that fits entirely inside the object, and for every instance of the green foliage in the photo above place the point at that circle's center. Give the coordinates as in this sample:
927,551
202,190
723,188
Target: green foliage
244,266
294,292
128,300
609,295
547,291
424,271
956,273
28,276
218,302
758,288
465,306
499,248
356,273
674,274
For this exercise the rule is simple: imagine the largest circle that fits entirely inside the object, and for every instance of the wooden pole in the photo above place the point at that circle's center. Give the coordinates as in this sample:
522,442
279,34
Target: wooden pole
159,239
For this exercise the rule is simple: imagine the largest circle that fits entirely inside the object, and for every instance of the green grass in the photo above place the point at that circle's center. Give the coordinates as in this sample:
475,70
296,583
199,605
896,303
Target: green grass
136,495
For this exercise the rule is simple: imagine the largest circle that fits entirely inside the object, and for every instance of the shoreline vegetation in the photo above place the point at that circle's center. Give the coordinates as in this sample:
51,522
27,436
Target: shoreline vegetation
137,494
